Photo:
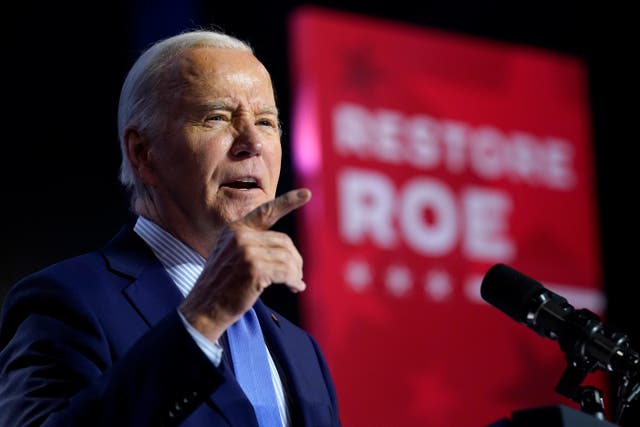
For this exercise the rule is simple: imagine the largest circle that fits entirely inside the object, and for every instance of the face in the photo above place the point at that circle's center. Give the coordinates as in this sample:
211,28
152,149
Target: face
219,155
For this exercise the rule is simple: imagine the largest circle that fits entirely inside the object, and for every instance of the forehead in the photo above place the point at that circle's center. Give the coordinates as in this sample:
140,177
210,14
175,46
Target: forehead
222,71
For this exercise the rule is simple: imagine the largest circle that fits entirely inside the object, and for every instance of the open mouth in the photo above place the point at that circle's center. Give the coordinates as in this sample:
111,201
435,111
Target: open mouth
244,183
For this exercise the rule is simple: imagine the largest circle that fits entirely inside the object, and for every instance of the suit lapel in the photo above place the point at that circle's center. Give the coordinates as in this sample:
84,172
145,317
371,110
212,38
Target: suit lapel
151,292
154,295
275,337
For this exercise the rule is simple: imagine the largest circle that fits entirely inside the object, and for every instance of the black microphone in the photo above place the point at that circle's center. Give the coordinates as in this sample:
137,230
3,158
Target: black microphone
586,342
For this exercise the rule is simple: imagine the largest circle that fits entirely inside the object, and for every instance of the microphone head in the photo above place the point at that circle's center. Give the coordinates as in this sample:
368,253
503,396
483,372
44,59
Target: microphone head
510,291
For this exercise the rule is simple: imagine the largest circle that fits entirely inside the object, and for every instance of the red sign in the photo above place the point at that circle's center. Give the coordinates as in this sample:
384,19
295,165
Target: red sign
431,157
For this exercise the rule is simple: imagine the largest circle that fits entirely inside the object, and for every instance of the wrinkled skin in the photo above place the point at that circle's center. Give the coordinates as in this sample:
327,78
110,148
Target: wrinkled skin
210,176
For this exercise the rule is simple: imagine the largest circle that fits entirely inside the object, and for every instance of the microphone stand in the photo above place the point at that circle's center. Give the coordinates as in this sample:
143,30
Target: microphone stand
589,397
588,346
627,393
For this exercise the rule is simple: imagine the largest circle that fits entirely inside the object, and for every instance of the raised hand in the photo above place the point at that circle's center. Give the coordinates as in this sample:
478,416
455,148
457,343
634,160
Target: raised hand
247,258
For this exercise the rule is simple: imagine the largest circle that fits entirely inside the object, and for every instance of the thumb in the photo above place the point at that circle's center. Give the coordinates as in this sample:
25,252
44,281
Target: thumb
264,216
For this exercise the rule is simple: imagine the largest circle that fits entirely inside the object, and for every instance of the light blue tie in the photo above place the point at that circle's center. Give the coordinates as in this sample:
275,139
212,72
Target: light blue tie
252,369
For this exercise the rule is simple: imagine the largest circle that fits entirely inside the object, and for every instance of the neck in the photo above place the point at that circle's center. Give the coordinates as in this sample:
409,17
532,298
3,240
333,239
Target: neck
202,239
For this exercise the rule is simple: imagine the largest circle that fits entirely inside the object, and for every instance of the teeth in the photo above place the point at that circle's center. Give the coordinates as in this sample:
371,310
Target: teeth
245,182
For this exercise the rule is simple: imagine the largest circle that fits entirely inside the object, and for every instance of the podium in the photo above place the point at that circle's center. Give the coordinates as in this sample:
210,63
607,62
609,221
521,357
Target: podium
552,416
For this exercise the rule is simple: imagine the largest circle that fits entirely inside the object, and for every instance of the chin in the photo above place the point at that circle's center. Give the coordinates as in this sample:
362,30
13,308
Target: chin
238,203
234,213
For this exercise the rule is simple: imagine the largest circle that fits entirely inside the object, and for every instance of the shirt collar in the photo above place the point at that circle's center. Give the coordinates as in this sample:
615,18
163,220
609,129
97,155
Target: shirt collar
181,262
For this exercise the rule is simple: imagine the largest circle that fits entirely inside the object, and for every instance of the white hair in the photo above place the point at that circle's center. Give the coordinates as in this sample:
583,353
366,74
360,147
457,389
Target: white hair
140,102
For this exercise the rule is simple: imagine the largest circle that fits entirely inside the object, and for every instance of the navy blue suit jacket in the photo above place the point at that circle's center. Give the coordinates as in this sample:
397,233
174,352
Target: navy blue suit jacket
96,340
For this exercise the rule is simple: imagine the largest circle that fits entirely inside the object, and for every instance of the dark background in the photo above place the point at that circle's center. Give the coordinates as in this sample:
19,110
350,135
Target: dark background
63,65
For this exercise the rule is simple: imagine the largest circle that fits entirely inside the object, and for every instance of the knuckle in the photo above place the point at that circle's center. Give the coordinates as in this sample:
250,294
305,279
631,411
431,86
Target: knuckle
266,211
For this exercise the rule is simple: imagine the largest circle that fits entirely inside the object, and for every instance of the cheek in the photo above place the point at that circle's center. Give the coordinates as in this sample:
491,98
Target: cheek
209,153
193,161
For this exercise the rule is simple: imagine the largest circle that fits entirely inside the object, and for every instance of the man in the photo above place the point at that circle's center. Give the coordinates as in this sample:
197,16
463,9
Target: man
142,331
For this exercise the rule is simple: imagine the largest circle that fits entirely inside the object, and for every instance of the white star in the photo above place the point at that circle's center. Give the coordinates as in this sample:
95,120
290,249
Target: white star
472,288
357,275
437,285
398,280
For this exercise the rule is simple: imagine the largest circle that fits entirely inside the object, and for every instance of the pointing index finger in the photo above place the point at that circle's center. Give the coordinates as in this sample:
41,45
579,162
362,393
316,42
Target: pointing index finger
264,216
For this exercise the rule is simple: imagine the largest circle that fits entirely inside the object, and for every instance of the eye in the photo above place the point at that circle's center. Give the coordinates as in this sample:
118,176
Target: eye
216,118
268,122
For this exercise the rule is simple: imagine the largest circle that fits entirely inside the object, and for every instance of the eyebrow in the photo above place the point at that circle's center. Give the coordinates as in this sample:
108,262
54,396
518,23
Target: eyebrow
218,105
226,105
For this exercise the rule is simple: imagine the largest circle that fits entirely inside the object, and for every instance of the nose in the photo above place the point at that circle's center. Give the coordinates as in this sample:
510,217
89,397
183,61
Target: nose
247,143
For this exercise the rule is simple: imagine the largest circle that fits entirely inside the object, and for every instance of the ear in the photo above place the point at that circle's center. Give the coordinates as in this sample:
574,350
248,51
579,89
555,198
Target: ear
138,151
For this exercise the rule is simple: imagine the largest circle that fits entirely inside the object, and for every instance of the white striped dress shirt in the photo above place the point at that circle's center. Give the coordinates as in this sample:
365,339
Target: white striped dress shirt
184,265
